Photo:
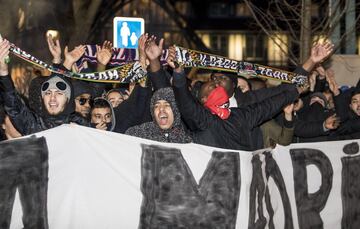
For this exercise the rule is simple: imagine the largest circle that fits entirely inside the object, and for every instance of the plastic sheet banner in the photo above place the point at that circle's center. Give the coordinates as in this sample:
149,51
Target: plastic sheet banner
77,177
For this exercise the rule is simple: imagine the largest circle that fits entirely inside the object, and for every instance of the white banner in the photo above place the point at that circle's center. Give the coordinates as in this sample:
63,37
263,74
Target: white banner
99,179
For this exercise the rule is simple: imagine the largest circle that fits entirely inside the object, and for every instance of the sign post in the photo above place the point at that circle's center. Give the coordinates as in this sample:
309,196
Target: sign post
127,31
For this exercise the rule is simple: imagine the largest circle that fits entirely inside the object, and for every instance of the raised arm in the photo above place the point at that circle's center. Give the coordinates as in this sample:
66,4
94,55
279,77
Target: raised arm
156,73
20,115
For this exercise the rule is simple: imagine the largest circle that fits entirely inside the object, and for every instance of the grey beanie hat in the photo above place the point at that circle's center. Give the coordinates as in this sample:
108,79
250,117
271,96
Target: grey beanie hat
56,83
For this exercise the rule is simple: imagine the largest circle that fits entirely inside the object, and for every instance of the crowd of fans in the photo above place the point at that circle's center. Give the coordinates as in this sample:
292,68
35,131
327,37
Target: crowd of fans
226,111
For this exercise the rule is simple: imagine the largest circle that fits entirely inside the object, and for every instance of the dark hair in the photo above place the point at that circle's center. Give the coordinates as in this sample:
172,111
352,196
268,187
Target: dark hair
100,103
355,92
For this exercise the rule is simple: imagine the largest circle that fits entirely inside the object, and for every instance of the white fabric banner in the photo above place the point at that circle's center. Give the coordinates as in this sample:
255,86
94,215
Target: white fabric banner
97,179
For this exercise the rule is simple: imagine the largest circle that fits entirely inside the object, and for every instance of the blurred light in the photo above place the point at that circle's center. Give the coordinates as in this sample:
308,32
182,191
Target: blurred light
358,46
278,46
320,39
54,33
21,14
236,45
205,38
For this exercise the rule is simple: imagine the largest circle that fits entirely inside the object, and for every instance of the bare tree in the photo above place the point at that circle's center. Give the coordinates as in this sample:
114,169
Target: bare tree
296,20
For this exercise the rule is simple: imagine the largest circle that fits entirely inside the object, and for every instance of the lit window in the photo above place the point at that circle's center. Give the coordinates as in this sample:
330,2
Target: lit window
278,45
236,46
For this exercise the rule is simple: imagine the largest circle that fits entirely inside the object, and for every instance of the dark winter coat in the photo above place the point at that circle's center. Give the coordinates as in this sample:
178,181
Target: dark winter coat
232,133
28,122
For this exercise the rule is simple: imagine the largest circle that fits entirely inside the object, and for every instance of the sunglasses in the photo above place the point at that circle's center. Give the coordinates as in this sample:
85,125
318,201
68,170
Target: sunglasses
83,101
60,85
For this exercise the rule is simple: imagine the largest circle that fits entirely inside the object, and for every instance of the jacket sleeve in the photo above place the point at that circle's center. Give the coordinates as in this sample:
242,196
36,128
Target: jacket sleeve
194,114
258,113
130,112
256,96
312,129
159,79
20,115
280,134
342,102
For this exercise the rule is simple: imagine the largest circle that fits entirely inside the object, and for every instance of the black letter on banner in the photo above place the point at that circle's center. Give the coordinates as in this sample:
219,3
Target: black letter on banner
24,165
172,198
273,170
350,188
257,191
309,205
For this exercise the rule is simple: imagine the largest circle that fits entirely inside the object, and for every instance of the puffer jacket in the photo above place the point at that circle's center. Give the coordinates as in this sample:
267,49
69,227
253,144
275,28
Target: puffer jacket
28,122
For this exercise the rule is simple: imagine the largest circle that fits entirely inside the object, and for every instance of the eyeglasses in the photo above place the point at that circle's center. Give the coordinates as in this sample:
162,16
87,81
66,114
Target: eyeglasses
83,101
60,85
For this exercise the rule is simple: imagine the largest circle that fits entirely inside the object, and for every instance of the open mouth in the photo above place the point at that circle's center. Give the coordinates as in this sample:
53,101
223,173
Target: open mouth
163,119
53,105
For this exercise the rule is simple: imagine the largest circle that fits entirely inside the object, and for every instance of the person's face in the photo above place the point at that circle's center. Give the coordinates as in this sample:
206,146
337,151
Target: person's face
115,98
164,115
206,89
355,104
225,82
101,115
54,101
82,104
9,129
243,85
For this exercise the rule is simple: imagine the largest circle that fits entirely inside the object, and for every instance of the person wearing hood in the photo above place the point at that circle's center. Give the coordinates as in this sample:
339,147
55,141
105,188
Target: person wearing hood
166,125
83,94
57,101
102,115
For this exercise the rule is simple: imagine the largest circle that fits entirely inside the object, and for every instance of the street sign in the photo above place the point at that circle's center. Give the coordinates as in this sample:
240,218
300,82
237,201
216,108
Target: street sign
127,31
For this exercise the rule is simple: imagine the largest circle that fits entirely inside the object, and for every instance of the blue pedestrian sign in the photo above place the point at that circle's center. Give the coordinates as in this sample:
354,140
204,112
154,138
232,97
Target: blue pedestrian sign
127,31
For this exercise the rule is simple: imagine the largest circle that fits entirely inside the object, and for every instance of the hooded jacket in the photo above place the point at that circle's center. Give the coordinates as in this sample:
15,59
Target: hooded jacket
152,131
28,122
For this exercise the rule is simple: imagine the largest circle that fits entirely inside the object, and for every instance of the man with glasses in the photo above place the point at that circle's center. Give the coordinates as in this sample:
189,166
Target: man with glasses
83,94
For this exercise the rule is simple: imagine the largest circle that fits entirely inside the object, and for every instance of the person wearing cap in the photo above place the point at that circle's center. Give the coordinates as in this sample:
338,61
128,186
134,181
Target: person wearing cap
57,100
83,94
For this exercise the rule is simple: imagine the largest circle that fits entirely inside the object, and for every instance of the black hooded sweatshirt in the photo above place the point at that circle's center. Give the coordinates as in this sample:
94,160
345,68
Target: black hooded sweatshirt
28,122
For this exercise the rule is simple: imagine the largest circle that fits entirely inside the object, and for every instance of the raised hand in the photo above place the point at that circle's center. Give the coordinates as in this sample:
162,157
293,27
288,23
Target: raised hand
330,78
171,60
55,49
288,111
332,122
142,54
104,53
73,56
152,50
320,52
4,52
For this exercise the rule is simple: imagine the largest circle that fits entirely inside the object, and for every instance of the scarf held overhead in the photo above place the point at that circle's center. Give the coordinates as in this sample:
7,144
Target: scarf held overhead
129,72
128,69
